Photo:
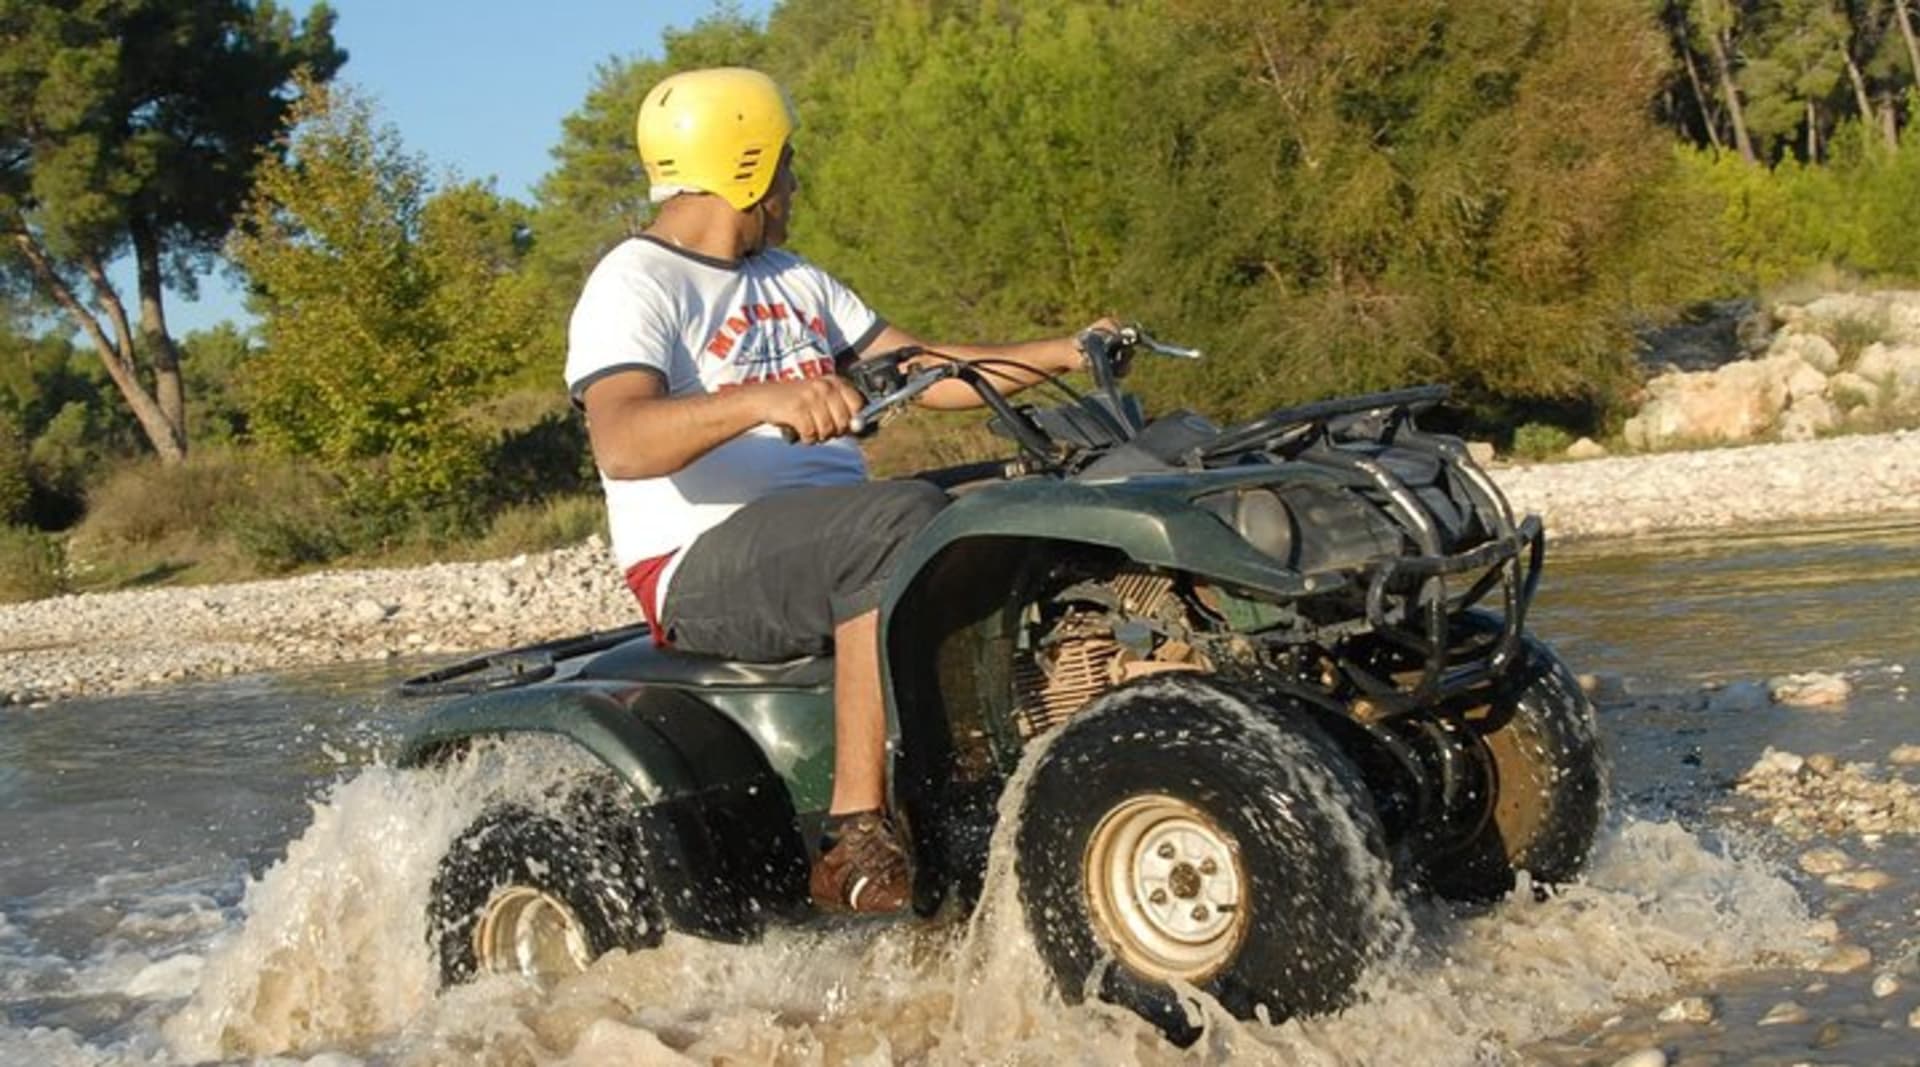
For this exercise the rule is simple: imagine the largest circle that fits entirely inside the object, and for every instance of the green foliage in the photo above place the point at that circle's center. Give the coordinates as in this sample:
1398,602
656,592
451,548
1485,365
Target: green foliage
969,174
229,513
555,522
387,311
68,451
1359,195
16,490
214,361
31,565
1538,440
1785,77
282,535
1859,212
135,127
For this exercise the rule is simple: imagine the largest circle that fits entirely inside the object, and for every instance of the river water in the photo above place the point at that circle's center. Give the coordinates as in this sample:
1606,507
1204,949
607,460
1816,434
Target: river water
230,872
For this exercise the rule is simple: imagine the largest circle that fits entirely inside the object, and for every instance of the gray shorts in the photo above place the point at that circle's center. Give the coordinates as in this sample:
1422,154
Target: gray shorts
774,580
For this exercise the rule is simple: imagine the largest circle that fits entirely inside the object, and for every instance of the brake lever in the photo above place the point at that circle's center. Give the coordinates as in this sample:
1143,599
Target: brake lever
1135,336
919,382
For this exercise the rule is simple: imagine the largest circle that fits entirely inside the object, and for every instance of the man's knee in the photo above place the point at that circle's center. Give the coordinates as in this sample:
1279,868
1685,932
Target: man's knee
908,506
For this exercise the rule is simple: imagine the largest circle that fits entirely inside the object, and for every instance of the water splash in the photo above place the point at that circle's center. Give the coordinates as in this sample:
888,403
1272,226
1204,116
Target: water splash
334,956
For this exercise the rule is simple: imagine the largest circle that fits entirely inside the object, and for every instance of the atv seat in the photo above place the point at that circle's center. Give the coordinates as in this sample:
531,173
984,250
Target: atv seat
639,660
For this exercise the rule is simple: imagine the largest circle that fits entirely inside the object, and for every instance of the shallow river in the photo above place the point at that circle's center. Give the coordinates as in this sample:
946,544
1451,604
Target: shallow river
228,872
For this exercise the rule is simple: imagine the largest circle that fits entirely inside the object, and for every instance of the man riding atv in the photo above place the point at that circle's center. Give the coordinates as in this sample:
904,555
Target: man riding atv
705,358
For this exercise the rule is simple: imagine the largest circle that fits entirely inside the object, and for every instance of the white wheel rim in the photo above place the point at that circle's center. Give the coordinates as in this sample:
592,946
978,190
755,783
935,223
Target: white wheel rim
1166,887
530,932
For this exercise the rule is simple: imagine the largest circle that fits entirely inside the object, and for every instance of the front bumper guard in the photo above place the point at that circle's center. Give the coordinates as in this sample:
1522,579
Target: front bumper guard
1410,605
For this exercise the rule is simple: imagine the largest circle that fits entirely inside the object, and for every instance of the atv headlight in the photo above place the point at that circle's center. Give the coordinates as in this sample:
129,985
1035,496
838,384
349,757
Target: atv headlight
1257,515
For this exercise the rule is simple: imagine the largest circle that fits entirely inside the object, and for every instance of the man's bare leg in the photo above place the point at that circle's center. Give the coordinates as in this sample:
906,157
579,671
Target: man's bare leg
859,718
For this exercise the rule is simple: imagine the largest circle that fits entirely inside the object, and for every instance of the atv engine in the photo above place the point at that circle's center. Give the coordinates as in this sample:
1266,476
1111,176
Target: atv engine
1094,635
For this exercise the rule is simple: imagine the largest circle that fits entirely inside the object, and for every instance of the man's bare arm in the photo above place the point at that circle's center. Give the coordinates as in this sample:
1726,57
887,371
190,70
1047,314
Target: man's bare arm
638,431
1038,361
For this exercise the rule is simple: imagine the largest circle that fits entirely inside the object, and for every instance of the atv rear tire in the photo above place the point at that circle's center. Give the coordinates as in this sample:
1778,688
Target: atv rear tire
1176,834
1547,781
538,895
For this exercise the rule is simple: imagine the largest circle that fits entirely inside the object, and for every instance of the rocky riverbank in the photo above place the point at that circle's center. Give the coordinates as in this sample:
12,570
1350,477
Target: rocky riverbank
98,643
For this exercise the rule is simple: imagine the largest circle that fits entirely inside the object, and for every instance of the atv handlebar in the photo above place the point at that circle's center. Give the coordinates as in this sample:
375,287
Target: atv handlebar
889,380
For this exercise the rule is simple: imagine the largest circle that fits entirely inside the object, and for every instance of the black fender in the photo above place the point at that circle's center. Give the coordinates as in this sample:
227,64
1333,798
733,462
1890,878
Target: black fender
721,841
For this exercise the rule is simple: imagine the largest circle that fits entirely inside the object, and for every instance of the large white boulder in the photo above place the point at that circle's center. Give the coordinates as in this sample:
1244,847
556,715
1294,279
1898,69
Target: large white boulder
1903,315
1896,368
1738,401
1849,390
1810,348
1808,418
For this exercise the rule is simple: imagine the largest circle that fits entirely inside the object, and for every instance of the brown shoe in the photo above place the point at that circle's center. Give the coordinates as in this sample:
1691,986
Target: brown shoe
865,871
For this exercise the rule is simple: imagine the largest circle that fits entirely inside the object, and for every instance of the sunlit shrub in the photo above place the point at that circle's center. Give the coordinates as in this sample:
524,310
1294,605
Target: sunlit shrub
31,564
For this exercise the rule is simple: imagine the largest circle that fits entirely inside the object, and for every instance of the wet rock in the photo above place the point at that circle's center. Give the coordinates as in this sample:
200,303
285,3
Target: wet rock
1884,986
1823,861
1865,880
1845,959
1785,1013
1737,697
1904,755
1814,689
1828,1035
1825,931
1646,1057
1913,1019
1604,687
1774,762
1689,1010
1824,764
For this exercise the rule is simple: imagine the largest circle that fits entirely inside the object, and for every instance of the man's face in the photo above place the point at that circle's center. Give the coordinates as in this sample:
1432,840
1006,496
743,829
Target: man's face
777,206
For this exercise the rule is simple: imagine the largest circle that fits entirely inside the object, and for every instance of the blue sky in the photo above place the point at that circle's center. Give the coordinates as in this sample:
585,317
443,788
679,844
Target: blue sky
478,87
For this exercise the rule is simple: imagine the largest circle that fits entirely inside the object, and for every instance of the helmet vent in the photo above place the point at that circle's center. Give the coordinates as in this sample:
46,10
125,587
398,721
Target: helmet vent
666,166
749,163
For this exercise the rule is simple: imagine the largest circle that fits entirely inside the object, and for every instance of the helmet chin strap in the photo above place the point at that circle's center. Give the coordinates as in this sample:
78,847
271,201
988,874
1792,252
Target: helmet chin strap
759,213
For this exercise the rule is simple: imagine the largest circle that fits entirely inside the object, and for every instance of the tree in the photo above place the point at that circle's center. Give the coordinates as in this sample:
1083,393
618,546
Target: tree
1799,58
1718,22
133,128
970,175
1361,194
388,310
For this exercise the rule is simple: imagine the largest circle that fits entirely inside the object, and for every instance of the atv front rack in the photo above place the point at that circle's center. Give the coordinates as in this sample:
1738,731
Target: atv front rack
1445,666
1408,601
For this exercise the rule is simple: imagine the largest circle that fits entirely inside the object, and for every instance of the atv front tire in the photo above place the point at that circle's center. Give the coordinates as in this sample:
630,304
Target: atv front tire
1547,782
538,895
1174,834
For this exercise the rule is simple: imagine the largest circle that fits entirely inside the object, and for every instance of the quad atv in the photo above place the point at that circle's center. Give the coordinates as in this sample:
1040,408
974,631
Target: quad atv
1277,673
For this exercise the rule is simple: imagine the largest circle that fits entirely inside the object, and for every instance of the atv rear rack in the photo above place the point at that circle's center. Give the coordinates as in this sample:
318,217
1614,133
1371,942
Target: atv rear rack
515,666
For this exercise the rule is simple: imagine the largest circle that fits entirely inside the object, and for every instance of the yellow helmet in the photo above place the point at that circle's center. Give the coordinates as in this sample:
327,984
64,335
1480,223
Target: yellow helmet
717,131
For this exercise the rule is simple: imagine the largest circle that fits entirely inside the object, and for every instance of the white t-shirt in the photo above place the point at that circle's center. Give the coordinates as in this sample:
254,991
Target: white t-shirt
703,325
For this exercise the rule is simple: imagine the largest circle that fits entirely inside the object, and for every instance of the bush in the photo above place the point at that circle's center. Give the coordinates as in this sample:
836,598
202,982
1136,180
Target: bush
240,512
31,565
278,537
146,502
552,523
1538,440
16,490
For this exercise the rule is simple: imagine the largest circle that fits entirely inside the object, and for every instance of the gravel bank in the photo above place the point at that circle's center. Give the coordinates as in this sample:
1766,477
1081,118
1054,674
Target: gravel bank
109,642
